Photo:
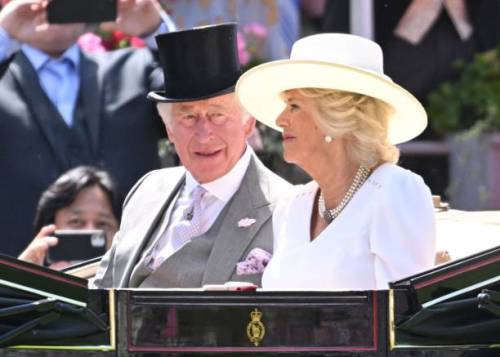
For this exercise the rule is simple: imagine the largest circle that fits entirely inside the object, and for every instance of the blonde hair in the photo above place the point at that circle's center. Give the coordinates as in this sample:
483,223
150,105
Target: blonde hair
361,120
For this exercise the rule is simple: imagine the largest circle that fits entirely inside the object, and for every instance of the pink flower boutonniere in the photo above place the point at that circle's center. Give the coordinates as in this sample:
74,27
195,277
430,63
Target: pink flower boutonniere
246,222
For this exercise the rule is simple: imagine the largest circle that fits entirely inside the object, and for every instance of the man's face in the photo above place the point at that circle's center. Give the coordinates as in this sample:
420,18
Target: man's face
209,135
55,38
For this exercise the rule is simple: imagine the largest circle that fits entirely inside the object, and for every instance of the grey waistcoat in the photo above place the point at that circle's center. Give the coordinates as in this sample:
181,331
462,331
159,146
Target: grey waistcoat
183,269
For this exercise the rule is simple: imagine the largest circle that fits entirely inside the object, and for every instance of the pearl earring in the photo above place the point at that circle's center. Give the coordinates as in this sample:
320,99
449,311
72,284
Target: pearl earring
328,139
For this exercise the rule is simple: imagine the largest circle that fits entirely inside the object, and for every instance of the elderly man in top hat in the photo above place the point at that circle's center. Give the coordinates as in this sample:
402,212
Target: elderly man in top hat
209,221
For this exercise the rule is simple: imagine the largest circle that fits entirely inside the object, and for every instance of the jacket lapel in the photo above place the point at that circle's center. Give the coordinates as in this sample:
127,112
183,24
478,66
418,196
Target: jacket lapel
41,108
248,202
90,92
148,212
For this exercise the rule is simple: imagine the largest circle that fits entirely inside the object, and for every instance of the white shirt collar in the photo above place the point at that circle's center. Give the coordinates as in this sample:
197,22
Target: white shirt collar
224,187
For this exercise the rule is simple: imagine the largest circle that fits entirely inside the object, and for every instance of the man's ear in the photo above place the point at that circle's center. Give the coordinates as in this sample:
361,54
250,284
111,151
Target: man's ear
249,126
171,136
164,113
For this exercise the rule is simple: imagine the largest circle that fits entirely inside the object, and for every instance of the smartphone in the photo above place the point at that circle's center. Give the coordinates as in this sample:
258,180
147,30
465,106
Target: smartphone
77,245
86,11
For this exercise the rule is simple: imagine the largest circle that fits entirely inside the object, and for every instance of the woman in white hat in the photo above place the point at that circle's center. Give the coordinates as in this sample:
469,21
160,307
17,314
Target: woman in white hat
363,221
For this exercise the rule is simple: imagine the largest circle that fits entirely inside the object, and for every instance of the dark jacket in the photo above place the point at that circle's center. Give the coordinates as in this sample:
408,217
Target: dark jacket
118,130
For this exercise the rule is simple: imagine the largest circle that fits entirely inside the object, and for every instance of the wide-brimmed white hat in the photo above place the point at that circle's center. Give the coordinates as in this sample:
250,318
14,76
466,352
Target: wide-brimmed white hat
331,61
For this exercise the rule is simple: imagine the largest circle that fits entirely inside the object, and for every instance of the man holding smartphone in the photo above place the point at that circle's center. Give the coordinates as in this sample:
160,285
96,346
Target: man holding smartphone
62,108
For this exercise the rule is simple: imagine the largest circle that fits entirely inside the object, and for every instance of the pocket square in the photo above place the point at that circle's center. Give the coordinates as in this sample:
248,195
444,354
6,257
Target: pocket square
255,262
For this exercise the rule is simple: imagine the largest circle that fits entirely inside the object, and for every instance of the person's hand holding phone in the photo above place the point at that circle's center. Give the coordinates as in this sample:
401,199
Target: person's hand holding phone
61,248
135,17
22,19
37,250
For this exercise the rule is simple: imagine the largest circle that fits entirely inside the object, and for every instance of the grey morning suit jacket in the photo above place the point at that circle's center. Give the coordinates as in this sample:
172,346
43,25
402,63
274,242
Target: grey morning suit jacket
208,259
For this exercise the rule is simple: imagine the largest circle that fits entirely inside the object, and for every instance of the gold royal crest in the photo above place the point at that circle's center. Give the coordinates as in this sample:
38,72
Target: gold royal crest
255,328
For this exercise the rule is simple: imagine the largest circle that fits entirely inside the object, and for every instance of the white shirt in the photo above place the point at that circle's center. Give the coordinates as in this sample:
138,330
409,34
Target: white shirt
219,193
385,233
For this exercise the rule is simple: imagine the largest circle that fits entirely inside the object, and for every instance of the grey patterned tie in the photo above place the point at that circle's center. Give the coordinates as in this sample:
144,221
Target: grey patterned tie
190,224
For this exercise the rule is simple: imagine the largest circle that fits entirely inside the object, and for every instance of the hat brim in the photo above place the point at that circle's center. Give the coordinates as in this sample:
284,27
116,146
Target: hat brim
158,96
259,91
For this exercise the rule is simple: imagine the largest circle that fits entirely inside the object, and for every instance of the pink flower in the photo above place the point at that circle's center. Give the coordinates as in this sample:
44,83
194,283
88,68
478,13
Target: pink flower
255,29
246,222
252,43
137,42
242,52
90,42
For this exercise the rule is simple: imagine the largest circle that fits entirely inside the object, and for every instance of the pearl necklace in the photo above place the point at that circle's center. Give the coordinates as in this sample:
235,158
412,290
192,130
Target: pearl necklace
330,214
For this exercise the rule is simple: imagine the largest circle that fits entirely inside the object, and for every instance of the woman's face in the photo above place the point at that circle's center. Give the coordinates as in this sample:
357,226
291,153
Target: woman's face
301,136
90,210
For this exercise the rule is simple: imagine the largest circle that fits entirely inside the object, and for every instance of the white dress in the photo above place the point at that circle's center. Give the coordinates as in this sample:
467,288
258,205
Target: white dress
385,233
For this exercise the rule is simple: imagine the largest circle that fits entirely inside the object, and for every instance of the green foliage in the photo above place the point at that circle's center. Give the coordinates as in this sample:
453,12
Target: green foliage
473,100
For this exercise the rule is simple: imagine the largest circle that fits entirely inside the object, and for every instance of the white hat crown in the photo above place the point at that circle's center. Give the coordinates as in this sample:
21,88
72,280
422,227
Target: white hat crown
338,48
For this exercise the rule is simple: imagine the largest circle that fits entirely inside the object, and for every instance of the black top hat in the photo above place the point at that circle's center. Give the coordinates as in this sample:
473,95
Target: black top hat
198,63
